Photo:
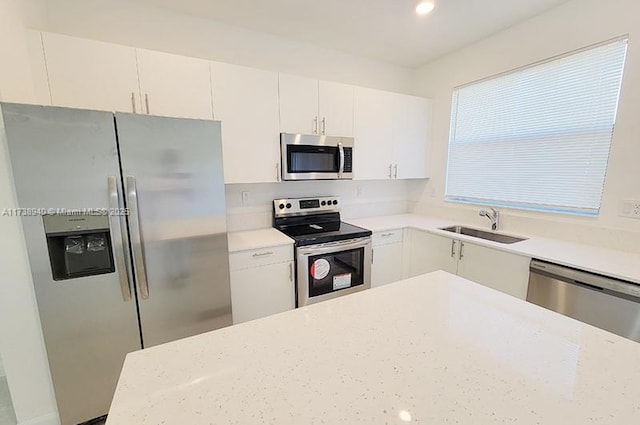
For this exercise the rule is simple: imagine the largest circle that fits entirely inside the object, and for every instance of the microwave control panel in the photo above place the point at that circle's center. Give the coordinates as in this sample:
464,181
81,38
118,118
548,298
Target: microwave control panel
348,160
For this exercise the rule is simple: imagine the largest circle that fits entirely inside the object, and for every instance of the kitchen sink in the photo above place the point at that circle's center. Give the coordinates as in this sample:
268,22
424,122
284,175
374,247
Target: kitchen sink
483,234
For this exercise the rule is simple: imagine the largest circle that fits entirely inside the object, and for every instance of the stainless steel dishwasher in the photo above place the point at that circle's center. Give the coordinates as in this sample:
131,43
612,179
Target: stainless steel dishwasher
607,303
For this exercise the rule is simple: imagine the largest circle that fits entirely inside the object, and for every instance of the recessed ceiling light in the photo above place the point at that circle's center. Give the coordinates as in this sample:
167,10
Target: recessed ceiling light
424,7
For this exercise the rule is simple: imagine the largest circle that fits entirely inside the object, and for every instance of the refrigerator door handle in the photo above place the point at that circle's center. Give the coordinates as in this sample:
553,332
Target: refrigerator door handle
118,232
136,237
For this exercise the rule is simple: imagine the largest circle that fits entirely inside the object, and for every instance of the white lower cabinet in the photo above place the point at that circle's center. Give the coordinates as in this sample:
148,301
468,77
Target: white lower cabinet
500,270
262,282
506,272
387,257
428,252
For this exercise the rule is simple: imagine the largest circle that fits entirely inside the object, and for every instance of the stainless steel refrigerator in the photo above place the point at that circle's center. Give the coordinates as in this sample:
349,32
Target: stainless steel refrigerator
108,283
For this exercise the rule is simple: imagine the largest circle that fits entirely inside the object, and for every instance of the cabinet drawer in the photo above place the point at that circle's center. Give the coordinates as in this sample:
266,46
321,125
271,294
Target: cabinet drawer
260,257
387,236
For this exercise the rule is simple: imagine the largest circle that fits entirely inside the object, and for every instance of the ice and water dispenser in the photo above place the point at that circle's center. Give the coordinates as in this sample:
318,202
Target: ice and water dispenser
79,245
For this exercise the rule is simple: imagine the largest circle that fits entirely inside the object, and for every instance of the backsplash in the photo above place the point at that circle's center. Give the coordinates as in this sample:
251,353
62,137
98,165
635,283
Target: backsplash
358,199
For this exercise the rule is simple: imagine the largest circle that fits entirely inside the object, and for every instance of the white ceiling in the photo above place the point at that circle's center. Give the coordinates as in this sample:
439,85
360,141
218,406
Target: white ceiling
387,30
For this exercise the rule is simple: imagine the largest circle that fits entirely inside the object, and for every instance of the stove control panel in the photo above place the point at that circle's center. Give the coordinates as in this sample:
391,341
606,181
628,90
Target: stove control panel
303,206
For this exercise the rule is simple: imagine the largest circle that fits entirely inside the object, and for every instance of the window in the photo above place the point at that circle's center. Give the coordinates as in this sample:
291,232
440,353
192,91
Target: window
537,137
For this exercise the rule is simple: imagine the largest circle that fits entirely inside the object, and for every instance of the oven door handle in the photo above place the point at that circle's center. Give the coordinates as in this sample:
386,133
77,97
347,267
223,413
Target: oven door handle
333,247
341,150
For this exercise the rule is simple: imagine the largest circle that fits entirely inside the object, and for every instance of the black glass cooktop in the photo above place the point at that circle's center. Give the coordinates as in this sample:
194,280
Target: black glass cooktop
319,232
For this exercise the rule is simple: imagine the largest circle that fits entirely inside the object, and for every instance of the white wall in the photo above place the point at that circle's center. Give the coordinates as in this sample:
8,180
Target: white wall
140,25
357,198
573,25
15,81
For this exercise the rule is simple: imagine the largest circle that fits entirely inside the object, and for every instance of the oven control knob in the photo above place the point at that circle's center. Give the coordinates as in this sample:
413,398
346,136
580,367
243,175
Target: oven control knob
281,206
323,203
288,205
335,202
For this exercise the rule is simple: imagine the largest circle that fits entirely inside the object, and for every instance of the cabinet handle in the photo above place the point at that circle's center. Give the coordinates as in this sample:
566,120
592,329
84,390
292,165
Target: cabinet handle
389,170
453,248
315,125
146,102
372,252
324,125
262,254
386,235
461,254
277,172
133,102
395,171
290,272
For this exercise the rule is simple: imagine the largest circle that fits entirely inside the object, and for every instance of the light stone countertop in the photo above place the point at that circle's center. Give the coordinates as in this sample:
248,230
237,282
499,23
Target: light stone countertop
434,349
620,264
257,239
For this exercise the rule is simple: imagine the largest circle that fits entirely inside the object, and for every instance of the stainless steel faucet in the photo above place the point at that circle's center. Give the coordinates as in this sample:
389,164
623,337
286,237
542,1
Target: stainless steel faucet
494,216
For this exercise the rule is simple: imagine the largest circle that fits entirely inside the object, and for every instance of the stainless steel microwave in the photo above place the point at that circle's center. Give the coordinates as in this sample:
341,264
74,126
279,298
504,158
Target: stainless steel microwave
307,157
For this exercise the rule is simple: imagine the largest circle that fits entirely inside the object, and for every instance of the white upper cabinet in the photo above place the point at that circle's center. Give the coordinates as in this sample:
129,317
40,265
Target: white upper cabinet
391,132
255,106
246,101
91,74
411,117
41,95
298,105
309,106
335,110
174,86
373,131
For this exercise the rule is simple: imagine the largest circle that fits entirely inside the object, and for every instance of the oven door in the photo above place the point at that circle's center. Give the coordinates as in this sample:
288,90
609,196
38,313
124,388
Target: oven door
332,269
306,157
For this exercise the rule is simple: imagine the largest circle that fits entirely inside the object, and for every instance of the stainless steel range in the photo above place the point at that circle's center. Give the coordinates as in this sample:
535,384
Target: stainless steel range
332,258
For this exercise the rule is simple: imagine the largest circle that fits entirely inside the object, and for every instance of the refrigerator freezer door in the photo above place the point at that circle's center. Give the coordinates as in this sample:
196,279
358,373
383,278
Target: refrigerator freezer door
62,158
175,191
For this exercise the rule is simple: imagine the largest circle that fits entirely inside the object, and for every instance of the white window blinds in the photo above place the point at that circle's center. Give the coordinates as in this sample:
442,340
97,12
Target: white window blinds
537,137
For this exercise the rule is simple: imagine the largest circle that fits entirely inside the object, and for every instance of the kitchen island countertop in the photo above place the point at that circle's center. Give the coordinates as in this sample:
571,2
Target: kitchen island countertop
433,349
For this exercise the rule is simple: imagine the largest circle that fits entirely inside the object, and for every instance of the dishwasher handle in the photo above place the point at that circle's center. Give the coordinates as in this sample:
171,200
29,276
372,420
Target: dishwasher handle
586,279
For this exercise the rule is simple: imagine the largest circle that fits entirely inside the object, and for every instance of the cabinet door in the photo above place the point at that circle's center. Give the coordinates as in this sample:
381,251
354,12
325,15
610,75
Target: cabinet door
246,101
506,272
91,74
298,104
336,109
411,117
35,50
387,264
373,120
262,291
429,252
174,86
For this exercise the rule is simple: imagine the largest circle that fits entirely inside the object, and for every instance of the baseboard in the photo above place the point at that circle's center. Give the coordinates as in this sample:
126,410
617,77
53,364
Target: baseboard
48,419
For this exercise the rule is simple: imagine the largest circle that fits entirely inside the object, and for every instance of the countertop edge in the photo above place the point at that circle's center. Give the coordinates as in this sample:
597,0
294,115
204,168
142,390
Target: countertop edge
257,239
525,248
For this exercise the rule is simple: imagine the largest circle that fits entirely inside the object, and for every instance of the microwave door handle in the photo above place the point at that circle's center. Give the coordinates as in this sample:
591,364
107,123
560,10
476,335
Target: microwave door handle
341,150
